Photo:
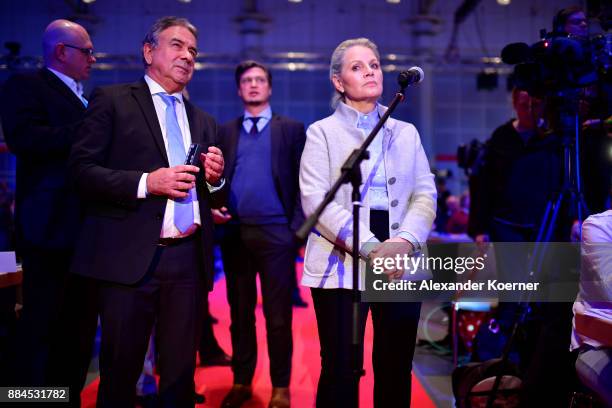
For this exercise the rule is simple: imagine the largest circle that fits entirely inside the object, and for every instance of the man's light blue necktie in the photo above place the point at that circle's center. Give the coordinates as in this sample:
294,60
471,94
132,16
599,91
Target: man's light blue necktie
79,88
183,208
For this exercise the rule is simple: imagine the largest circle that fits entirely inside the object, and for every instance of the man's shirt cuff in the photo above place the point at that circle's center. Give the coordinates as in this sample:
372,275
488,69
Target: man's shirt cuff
142,186
214,189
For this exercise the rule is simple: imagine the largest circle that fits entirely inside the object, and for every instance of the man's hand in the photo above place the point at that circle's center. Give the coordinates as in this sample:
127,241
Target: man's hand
220,216
213,164
390,249
173,182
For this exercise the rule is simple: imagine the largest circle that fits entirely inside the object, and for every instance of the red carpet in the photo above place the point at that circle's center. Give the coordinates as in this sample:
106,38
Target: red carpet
215,382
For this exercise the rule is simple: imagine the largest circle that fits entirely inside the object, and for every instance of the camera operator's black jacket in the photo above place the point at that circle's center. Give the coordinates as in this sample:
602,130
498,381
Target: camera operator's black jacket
513,181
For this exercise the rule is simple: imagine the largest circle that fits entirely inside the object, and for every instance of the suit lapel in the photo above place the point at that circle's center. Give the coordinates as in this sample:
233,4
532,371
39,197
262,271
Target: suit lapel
276,137
63,89
143,97
232,146
195,126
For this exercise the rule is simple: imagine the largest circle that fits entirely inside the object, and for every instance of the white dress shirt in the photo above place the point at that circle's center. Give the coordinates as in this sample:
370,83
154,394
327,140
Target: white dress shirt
75,87
264,117
168,228
595,296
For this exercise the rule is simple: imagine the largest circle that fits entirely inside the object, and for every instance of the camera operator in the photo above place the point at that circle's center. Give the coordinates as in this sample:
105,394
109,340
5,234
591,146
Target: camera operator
571,21
593,109
516,175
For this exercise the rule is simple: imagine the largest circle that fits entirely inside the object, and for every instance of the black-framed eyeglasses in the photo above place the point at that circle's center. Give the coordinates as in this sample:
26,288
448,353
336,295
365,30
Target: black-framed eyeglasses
89,52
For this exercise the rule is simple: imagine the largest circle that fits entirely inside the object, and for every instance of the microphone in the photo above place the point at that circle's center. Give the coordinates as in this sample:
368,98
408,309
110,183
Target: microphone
412,76
516,53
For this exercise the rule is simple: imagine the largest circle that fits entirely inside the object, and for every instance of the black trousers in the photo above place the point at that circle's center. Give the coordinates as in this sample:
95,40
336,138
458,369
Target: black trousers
270,251
548,365
547,331
55,333
209,346
169,296
395,327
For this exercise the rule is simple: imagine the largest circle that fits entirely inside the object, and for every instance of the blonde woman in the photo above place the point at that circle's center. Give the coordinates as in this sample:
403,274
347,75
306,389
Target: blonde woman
399,200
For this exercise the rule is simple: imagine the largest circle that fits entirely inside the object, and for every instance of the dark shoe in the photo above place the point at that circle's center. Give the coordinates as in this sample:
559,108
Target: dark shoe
147,401
213,319
280,398
296,299
217,359
238,395
198,398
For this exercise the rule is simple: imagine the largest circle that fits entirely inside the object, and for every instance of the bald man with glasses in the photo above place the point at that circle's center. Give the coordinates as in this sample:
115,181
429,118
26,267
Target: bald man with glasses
40,114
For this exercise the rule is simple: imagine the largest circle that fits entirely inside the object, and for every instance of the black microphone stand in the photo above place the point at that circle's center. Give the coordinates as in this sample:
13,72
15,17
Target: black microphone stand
350,172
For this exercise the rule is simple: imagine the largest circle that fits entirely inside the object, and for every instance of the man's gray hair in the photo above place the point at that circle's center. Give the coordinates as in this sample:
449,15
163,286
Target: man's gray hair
152,36
337,58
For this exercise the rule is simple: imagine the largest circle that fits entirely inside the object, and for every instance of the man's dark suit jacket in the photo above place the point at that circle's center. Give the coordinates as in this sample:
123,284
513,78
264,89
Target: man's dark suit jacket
40,115
119,140
288,138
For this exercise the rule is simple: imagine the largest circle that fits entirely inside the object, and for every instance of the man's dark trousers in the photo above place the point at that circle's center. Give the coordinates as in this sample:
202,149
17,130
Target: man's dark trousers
269,250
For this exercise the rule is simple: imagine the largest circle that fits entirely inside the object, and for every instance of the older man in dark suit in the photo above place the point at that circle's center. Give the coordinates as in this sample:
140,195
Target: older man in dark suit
147,231
263,153
40,114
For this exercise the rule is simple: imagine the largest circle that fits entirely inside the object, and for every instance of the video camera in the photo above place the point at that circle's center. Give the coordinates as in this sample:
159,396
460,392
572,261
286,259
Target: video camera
469,156
558,62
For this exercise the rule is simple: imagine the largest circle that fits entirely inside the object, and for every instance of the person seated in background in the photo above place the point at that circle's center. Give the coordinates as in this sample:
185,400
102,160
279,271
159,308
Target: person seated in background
458,211
592,325
441,209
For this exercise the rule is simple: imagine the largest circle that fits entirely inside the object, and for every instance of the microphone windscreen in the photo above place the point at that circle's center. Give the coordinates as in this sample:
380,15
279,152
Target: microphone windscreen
516,53
421,73
412,76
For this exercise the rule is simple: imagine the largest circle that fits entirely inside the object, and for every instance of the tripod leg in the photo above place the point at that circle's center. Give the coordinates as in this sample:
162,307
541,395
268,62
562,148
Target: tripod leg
544,234
545,220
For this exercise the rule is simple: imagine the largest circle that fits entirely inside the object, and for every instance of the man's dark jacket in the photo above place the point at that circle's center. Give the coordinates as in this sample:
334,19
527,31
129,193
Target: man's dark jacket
119,140
40,115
